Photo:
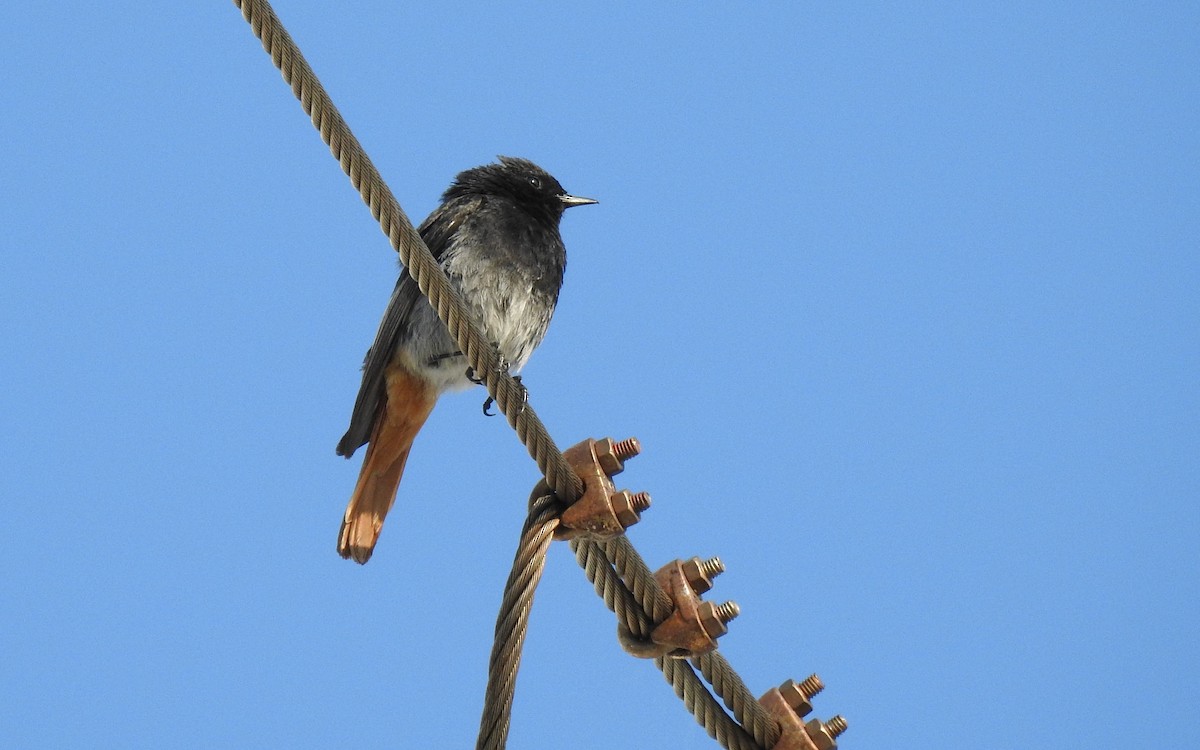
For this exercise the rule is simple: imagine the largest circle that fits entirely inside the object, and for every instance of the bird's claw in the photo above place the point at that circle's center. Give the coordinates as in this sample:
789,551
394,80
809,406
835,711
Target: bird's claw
501,368
487,405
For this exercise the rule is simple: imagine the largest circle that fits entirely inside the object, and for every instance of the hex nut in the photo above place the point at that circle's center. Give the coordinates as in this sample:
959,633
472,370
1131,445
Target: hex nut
798,695
823,734
795,698
607,457
713,618
622,503
700,573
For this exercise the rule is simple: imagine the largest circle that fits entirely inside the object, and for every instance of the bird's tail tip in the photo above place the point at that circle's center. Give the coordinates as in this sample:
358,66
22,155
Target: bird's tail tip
357,538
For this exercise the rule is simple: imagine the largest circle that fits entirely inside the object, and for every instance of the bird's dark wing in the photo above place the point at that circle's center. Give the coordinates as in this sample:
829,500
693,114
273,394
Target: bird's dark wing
438,232
372,390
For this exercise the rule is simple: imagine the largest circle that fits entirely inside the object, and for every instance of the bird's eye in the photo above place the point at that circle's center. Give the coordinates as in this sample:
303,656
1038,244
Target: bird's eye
536,182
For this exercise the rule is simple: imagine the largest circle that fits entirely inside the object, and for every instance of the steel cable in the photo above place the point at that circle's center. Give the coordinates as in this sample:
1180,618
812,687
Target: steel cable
695,696
512,623
687,685
618,573
510,397
737,697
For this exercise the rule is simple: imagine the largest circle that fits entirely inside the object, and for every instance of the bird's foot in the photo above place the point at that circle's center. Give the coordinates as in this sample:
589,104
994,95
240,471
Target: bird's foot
487,405
501,367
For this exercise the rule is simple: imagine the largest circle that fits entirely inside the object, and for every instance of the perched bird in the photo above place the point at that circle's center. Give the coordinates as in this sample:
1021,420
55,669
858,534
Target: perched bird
496,237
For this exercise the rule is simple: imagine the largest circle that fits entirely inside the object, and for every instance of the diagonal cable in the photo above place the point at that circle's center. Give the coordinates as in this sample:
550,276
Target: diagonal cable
510,397
636,597
594,560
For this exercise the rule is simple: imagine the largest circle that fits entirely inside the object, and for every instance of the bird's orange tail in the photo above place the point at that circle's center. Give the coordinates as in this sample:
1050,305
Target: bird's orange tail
410,399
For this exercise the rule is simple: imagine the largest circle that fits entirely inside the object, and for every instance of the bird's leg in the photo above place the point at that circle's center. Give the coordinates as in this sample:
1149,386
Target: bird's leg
502,367
436,360
524,394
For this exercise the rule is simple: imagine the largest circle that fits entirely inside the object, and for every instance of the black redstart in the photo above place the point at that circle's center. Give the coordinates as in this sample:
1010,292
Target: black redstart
496,237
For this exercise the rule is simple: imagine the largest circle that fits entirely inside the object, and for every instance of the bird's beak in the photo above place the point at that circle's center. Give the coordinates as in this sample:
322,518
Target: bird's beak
573,200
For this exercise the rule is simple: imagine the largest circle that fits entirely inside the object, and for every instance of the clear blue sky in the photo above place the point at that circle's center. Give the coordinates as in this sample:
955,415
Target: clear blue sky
903,303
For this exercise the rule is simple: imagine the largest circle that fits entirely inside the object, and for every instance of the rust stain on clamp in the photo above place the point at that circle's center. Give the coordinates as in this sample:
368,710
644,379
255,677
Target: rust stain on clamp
601,511
694,625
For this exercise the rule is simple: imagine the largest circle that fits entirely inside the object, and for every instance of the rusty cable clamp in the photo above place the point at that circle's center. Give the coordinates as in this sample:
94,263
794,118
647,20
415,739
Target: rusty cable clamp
604,512
789,704
601,511
693,625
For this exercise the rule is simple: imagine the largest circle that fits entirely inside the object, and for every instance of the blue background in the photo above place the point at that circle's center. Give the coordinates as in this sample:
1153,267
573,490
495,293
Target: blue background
902,302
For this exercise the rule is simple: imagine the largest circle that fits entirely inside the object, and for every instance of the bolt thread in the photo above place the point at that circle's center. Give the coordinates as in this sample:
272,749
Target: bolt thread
712,567
627,448
727,611
640,501
811,686
836,726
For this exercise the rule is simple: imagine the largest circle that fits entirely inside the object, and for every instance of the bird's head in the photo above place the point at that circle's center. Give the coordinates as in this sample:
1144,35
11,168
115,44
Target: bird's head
522,181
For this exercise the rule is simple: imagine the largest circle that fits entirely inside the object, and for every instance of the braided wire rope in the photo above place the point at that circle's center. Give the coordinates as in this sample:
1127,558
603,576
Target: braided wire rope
596,565
630,589
425,270
634,572
652,605
513,621
737,697
696,698
628,567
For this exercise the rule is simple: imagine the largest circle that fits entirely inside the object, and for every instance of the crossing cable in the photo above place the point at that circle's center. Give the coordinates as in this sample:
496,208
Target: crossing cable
513,621
621,577
617,571
627,569
596,558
